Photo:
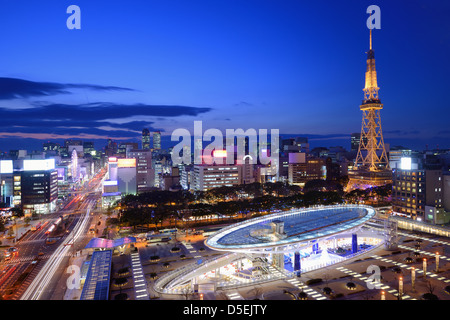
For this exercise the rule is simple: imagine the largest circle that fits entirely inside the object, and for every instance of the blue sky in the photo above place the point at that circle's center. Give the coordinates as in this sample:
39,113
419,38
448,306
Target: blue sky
297,66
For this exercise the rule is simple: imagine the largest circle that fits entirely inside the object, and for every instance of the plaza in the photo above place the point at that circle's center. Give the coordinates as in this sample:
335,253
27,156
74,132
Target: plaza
277,247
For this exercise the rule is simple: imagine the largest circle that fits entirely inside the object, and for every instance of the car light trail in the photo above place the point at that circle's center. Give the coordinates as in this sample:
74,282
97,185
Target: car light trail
45,275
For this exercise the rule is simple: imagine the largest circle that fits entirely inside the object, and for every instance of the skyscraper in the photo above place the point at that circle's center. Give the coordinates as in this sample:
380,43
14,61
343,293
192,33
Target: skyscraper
157,140
371,166
145,139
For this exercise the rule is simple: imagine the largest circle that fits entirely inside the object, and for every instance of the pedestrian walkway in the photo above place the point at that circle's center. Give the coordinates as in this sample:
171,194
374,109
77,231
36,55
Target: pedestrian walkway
309,291
419,271
375,284
140,285
424,252
235,296
191,249
424,238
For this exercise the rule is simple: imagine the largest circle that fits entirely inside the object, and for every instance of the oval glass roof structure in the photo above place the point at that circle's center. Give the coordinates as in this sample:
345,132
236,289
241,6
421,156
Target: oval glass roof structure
299,226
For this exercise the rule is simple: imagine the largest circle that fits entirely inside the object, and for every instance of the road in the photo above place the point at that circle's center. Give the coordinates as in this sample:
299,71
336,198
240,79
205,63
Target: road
42,262
41,285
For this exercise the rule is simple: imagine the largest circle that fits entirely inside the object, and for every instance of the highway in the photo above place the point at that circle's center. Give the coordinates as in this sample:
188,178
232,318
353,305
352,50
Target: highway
34,272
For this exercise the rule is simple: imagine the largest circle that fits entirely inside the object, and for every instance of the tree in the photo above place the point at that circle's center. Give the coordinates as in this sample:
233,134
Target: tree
17,211
187,292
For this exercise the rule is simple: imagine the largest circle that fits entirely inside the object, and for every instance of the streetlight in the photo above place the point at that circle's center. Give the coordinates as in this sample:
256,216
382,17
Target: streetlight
424,268
413,279
383,295
437,262
400,288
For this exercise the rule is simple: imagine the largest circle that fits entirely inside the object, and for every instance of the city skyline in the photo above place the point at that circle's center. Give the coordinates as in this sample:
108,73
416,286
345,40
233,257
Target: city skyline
294,66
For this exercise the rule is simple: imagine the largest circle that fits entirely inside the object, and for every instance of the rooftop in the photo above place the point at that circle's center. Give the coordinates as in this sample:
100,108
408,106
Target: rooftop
299,225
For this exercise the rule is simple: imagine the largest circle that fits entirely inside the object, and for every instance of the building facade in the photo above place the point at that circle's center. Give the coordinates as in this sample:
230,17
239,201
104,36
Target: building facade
145,174
206,177
145,139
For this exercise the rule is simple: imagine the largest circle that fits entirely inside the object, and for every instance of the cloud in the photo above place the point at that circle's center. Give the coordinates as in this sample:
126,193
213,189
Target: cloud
96,119
13,88
53,136
96,112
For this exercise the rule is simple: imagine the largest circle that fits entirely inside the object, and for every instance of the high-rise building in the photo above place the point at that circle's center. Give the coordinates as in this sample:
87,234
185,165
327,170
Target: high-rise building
111,148
371,166
88,147
145,175
303,169
126,176
7,184
185,175
157,140
419,192
205,177
145,139
408,192
297,168
124,147
38,186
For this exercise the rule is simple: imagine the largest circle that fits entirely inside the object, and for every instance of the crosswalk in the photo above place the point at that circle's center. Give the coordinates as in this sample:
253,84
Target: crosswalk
140,285
191,249
234,296
418,271
423,238
424,252
32,258
309,291
377,285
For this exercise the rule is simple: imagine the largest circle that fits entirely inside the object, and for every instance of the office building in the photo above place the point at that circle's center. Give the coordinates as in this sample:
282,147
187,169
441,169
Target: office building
420,193
206,177
125,147
145,139
38,182
157,140
303,169
126,176
408,191
145,175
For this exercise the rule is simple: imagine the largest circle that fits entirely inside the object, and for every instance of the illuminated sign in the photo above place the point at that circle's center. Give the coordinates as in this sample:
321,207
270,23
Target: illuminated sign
110,183
220,153
35,165
6,166
405,163
126,163
112,159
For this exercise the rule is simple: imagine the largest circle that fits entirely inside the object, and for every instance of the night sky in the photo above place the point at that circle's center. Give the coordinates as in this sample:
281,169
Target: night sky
293,65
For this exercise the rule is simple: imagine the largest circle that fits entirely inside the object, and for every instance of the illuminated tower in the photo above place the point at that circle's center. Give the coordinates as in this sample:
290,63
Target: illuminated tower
371,166
145,139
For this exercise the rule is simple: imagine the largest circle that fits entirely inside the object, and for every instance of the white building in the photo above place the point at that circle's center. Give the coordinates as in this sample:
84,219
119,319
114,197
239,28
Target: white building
206,177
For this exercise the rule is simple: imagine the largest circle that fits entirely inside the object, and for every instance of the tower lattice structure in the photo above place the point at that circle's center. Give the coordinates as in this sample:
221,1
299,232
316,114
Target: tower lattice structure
371,166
